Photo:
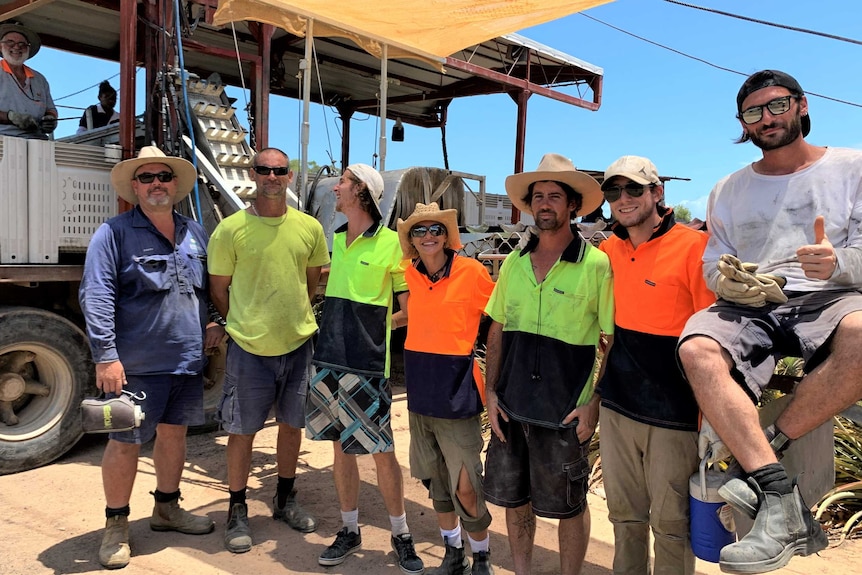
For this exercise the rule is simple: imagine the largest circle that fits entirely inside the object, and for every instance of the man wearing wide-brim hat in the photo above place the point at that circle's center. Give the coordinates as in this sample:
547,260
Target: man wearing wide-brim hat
26,107
145,301
552,302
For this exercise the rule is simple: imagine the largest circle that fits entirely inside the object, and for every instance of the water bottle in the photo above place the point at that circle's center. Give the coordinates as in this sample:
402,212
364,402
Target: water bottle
111,415
711,517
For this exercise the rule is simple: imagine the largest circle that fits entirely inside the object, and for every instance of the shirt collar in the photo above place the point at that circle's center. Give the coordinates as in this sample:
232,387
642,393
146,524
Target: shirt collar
369,233
573,253
667,222
447,267
27,71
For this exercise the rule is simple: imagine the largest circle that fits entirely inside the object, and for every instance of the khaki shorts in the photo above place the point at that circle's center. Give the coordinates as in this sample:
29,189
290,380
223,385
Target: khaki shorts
439,448
756,338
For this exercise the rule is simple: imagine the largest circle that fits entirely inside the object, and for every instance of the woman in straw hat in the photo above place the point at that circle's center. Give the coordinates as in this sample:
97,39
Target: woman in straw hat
26,107
448,294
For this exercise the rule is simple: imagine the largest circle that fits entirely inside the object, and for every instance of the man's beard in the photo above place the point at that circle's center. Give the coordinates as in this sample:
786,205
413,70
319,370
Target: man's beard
793,130
553,224
15,60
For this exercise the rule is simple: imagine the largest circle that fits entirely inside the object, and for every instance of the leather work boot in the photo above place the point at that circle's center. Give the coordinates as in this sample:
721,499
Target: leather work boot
482,563
784,527
115,552
293,514
454,561
237,534
740,495
169,516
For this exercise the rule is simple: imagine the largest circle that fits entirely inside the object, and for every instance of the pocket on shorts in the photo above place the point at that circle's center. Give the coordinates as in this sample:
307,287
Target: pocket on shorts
576,484
227,405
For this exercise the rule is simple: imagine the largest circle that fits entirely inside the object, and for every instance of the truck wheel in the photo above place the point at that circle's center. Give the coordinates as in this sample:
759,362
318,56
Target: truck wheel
45,371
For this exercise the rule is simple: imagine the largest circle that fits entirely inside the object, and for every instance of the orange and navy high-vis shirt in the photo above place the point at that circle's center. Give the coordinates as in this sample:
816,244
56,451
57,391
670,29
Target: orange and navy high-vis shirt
443,322
657,287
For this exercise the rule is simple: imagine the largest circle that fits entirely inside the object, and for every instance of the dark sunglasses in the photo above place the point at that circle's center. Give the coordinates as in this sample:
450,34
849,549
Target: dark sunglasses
267,170
435,229
776,107
12,44
147,178
614,193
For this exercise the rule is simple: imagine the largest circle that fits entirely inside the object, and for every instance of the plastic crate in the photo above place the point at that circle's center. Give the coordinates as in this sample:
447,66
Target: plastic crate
13,200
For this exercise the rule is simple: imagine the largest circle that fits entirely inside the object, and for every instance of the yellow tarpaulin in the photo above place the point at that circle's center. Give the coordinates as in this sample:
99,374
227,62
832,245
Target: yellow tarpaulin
430,29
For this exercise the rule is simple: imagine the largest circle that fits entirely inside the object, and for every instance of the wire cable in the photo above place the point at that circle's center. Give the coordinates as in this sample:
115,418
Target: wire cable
768,23
707,62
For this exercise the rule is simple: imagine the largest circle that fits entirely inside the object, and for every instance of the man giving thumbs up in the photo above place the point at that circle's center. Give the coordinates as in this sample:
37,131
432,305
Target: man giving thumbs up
763,216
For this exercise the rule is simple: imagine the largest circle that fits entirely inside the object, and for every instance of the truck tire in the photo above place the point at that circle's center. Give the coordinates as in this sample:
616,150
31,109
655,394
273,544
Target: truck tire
51,354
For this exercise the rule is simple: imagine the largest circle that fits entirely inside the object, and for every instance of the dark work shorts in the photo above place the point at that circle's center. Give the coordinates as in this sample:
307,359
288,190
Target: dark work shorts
172,399
254,385
545,467
756,338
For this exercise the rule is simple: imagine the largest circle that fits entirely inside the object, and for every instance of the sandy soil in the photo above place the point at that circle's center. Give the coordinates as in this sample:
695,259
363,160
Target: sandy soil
52,519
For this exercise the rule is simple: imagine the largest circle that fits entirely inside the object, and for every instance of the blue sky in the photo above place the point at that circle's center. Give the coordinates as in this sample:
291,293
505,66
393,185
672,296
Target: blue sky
674,110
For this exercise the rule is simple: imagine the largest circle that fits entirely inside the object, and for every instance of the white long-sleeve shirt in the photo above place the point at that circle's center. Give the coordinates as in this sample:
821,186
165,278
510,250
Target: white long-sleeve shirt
764,219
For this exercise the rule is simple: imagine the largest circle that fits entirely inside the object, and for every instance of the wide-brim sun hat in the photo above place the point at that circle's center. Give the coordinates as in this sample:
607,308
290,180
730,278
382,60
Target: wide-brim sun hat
429,213
32,37
123,172
555,168
373,182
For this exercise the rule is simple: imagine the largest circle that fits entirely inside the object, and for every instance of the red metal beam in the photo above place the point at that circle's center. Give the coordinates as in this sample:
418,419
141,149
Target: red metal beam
224,53
527,85
128,41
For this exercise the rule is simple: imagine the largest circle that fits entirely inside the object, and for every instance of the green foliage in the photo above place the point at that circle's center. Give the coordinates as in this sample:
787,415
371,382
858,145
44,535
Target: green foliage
682,214
313,167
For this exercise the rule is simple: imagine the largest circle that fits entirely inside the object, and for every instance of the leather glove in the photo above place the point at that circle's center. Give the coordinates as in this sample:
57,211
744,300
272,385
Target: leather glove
23,121
740,284
710,445
48,123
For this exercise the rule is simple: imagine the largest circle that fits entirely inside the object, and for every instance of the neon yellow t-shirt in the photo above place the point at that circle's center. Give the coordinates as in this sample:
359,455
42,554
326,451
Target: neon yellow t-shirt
267,258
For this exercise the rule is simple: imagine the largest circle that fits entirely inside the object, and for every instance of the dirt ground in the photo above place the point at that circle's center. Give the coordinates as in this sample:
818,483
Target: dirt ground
51,519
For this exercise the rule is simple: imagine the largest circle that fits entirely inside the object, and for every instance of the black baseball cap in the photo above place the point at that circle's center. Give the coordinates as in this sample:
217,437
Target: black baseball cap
767,78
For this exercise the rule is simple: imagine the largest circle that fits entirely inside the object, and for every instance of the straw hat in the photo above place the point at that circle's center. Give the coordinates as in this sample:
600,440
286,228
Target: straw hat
122,174
32,37
430,212
555,168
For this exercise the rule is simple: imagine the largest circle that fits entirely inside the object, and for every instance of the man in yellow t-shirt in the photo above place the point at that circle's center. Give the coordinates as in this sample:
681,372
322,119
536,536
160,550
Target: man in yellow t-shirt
264,265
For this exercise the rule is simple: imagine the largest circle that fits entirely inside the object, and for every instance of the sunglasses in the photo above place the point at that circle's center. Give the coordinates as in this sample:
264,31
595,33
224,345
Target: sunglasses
148,178
435,229
614,193
267,170
776,107
12,44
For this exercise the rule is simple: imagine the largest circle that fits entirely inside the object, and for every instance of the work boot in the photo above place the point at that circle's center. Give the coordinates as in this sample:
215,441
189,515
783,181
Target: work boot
293,514
169,516
346,542
408,561
115,552
740,495
482,563
783,527
237,534
454,561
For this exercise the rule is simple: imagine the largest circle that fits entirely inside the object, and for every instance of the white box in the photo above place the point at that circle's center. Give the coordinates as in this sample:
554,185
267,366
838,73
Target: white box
13,200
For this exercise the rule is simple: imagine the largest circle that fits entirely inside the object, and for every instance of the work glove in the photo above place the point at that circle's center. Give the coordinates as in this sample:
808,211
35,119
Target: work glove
48,123
710,445
23,121
740,284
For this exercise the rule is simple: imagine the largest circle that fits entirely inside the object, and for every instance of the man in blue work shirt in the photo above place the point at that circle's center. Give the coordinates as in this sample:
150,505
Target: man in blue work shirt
144,298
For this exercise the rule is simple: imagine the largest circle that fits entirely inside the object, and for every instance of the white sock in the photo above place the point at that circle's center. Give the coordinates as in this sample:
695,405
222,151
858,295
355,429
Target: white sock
351,520
399,524
479,546
452,537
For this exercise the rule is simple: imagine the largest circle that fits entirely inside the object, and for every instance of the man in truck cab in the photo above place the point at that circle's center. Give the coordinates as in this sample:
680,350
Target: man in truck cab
145,302
26,107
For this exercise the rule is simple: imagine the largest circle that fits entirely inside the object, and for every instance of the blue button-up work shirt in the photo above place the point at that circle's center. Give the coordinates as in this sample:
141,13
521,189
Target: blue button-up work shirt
144,300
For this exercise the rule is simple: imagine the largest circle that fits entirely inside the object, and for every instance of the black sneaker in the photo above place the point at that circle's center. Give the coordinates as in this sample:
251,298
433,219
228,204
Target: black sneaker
408,561
482,563
346,542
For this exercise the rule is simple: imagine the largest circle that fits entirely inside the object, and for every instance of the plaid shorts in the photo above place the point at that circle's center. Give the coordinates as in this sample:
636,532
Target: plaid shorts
350,408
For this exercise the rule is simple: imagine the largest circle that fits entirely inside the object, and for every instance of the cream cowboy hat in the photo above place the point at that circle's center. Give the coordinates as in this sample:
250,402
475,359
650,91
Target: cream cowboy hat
32,37
555,168
429,212
122,174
